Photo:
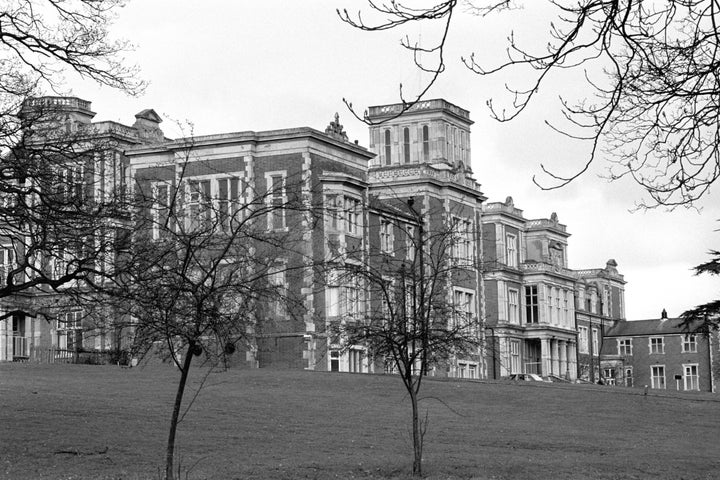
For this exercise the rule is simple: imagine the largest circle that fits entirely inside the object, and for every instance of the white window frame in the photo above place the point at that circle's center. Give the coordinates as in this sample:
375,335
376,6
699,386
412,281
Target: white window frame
386,235
67,327
514,356
596,341
272,197
532,307
353,215
609,375
583,339
660,350
514,306
277,278
628,376
7,262
694,380
198,191
230,206
625,347
689,343
656,381
511,256
158,206
464,307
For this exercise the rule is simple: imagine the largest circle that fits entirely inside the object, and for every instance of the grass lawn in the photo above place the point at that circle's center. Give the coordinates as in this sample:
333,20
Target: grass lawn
90,422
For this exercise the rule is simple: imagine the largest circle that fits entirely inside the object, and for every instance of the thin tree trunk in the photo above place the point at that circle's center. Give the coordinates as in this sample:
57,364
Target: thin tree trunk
417,435
170,453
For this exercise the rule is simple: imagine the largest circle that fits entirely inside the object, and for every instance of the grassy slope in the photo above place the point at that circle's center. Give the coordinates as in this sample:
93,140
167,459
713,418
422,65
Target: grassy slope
110,423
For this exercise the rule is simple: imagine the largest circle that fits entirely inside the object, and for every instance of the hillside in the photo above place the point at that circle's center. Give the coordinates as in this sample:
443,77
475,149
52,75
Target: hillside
88,422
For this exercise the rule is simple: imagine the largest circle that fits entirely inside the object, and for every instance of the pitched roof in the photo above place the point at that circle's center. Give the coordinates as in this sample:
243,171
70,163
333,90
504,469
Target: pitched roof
656,326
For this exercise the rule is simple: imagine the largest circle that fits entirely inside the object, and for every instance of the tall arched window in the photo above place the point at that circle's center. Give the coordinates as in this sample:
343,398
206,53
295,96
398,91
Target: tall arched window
426,143
406,145
388,155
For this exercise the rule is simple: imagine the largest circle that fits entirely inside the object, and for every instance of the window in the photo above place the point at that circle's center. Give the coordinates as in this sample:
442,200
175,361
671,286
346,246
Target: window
344,300
388,148
566,310
352,215
657,345
60,261
352,299
596,341
228,202
334,361
161,209
593,302
551,311
691,378
628,376
466,370
625,346
689,343
511,250
409,243
7,263
583,339
278,286
69,330
513,306
609,376
426,143
277,198
531,304
581,299
464,309
657,376
463,245
117,177
199,204
558,317
386,236
514,356
71,182
606,301
406,145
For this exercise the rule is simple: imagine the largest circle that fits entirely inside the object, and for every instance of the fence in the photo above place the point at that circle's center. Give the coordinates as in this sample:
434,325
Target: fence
62,355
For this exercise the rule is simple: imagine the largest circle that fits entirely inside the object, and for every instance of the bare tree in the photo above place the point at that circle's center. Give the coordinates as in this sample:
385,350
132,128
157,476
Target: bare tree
414,320
199,277
651,107
54,229
42,40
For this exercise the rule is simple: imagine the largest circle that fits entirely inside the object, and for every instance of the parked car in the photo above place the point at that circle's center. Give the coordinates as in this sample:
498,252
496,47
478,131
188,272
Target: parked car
528,377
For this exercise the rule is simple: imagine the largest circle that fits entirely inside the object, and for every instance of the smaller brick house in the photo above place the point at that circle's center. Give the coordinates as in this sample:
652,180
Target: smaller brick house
659,353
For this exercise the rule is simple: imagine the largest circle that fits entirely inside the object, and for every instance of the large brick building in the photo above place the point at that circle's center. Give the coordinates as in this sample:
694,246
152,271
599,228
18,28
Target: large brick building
532,312
543,317
660,353
24,333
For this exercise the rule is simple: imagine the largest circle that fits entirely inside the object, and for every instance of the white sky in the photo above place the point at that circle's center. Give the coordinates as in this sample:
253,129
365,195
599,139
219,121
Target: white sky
249,65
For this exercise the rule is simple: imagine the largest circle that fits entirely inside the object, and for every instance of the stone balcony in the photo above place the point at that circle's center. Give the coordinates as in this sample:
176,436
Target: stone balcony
383,175
435,104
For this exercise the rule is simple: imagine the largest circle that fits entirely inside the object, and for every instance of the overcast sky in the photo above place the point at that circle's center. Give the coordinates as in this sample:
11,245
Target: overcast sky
248,65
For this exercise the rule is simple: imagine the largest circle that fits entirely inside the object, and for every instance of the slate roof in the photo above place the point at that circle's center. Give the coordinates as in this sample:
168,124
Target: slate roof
657,326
